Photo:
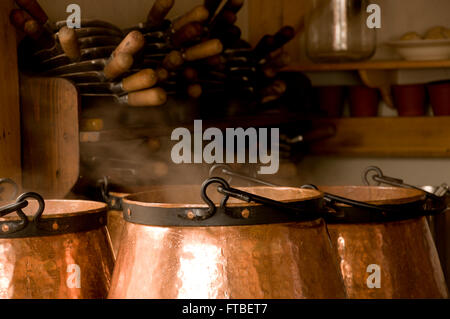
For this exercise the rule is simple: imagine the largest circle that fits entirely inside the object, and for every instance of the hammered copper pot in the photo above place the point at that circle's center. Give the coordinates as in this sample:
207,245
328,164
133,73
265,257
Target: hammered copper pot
66,255
403,250
272,260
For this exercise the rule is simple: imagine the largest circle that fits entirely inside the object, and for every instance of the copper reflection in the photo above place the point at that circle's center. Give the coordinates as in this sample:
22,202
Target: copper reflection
404,250
294,260
77,265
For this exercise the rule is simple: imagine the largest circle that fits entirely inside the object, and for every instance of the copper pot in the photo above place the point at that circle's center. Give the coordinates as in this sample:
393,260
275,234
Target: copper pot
403,250
63,254
236,253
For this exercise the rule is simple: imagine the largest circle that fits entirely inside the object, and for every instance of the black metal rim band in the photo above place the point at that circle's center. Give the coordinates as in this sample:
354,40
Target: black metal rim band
267,212
51,226
223,216
352,215
59,226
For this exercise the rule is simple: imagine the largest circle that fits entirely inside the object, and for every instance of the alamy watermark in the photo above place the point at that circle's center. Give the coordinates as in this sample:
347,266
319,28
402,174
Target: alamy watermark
74,20
374,279
74,276
374,19
190,148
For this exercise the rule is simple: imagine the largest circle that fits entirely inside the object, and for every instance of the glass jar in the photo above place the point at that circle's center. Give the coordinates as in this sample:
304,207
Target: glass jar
337,31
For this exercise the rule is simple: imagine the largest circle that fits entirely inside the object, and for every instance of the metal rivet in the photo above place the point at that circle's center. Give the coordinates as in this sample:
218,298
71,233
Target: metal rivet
190,215
5,228
55,226
245,213
129,212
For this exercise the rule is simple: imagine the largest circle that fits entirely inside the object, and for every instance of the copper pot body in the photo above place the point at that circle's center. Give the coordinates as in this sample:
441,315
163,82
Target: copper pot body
67,266
116,223
404,251
289,260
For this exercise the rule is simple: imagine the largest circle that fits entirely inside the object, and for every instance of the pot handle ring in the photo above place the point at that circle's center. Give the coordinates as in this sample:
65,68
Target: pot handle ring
9,227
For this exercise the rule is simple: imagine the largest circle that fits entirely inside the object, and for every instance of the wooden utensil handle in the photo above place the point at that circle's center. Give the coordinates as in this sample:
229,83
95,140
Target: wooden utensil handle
228,34
42,37
69,43
187,33
150,97
203,50
264,46
18,18
141,80
162,74
212,6
283,36
133,43
34,9
173,60
198,14
159,11
234,5
118,65
195,91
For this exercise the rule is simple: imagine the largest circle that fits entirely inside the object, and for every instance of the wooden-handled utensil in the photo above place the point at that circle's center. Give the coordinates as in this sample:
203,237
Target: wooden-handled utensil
170,38
131,44
200,51
31,27
68,40
234,5
85,54
212,6
145,98
158,12
110,68
36,11
271,43
197,14
84,43
120,61
143,79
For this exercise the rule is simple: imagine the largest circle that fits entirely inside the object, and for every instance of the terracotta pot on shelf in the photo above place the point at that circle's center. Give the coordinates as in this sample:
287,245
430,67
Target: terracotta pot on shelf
330,100
440,98
363,101
410,100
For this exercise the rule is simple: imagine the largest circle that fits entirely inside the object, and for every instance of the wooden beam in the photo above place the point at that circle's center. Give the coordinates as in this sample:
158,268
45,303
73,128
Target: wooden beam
10,156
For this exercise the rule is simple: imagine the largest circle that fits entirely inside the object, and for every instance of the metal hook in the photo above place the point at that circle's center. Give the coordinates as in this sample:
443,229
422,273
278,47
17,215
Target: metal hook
9,227
207,200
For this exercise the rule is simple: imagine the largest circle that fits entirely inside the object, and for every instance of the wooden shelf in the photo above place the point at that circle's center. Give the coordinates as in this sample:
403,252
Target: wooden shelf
387,137
376,74
368,65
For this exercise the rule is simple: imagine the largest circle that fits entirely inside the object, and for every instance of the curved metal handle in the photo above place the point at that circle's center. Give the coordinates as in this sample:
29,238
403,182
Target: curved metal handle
11,182
333,199
225,189
379,178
